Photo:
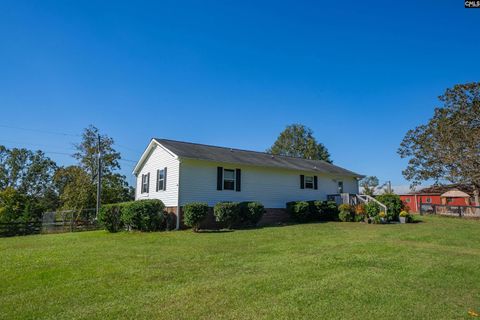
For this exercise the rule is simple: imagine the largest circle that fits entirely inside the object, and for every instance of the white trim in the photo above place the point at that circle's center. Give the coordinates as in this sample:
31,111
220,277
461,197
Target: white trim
305,182
177,227
153,143
234,179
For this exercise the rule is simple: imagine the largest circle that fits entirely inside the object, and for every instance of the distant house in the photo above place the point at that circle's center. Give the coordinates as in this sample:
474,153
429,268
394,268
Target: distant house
181,172
454,195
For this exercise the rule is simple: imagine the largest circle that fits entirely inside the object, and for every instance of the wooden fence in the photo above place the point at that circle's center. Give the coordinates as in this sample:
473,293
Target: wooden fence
20,228
452,211
53,222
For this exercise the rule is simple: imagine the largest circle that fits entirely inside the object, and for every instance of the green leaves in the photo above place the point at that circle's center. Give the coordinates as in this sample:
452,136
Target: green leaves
297,141
448,146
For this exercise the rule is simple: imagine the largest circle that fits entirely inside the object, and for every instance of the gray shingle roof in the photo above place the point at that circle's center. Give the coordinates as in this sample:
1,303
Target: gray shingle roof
254,158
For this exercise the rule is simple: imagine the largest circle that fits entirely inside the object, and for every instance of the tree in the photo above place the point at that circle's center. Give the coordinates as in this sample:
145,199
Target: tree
87,152
369,184
114,185
298,141
448,146
30,173
75,187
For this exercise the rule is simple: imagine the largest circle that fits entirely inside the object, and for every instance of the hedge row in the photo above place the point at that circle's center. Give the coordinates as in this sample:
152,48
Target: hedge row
142,215
228,214
316,210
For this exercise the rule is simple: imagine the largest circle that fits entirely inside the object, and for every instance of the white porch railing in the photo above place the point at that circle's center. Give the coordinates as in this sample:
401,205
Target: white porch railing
366,199
354,199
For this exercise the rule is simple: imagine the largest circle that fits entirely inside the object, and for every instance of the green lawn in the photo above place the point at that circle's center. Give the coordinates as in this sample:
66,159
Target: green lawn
427,270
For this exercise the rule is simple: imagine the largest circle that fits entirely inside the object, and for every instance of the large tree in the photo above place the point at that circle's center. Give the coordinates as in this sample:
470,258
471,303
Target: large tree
87,152
76,188
369,184
447,148
298,141
114,185
28,172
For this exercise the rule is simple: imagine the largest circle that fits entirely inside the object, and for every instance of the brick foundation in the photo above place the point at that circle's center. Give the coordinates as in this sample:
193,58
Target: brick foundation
271,216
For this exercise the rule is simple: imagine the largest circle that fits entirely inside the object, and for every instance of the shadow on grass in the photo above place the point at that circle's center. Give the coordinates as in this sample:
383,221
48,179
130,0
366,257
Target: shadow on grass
215,230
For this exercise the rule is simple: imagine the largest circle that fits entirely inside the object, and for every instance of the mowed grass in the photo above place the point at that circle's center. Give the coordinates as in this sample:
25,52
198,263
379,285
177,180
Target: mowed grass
427,270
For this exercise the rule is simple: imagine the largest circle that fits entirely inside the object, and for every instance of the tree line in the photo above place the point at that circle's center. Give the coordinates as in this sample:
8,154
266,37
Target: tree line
32,183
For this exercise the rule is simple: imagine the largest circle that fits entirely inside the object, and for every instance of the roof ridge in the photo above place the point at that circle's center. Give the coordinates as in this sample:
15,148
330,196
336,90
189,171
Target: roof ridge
266,153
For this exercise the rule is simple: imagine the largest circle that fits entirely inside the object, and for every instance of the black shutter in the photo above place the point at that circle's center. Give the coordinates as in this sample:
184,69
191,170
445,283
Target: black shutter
302,181
238,179
148,182
156,184
315,182
165,178
219,178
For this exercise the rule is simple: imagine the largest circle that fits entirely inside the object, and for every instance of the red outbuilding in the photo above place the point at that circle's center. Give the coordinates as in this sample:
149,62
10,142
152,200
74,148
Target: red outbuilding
454,195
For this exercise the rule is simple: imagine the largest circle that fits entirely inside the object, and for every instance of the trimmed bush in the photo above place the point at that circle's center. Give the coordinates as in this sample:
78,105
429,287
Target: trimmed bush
144,215
227,213
194,213
394,205
299,210
346,212
329,211
372,209
251,213
110,216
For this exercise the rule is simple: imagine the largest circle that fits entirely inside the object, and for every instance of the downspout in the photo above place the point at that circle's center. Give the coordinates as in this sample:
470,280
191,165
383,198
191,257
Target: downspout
178,197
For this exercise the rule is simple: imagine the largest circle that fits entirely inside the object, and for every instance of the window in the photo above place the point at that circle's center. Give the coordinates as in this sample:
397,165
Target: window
160,179
428,200
228,179
449,200
308,182
340,186
407,200
145,181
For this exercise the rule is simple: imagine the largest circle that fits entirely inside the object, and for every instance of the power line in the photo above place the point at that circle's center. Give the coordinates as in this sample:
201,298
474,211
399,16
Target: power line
31,144
41,131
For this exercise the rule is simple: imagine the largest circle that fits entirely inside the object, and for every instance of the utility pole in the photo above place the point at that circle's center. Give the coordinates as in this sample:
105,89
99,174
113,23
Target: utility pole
99,175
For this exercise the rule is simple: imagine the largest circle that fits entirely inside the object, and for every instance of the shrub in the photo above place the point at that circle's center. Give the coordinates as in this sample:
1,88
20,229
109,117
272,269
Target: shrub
372,209
194,214
393,203
359,212
299,210
110,216
21,214
227,213
403,213
251,212
144,215
345,213
329,211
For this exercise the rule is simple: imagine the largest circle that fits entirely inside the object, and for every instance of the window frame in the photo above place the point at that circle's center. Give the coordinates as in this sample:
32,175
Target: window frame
340,189
161,178
407,200
234,180
144,186
312,182
428,200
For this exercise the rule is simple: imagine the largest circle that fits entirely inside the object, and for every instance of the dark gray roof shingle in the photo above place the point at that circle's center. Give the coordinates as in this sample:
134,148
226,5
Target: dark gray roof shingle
254,158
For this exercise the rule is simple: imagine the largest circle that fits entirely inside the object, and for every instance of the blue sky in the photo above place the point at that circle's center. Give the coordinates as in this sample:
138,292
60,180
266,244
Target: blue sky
359,73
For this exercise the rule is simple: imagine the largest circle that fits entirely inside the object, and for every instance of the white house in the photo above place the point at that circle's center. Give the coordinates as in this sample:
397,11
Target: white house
182,172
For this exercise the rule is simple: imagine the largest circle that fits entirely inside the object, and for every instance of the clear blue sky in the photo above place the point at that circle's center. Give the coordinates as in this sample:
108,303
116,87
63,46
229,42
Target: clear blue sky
359,73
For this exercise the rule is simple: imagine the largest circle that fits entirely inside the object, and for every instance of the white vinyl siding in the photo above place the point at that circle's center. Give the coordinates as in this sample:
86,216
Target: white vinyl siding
158,159
271,186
